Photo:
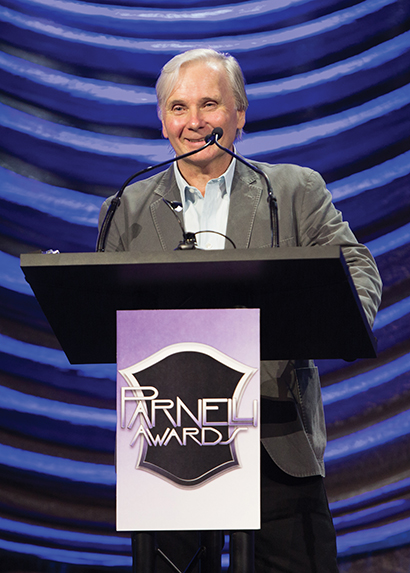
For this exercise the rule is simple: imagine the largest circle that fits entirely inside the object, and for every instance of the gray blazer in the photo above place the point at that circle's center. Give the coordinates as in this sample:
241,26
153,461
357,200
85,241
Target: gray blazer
293,426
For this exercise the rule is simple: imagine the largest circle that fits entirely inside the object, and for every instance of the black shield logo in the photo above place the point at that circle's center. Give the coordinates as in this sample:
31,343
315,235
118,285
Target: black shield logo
182,451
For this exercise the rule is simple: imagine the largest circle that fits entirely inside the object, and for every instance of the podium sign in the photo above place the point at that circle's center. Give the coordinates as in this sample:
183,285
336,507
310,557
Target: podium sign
188,420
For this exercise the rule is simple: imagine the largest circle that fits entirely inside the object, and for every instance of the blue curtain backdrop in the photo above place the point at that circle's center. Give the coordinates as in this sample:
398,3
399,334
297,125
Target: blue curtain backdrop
329,88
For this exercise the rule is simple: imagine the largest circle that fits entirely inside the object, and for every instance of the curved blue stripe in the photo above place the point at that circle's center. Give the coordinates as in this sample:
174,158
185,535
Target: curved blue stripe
391,313
359,63
66,204
81,140
66,556
362,382
11,399
326,23
372,178
73,470
369,514
89,99
147,22
109,542
55,358
182,4
336,25
371,496
319,129
390,241
77,86
366,540
331,83
372,437
11,275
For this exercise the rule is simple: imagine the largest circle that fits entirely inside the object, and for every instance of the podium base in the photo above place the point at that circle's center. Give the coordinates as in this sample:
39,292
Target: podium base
145,552
242,551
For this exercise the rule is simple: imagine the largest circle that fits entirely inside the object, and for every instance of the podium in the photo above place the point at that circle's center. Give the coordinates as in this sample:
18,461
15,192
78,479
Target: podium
309,307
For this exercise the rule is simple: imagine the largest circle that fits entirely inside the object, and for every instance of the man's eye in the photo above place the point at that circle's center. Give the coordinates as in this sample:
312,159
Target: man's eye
177,108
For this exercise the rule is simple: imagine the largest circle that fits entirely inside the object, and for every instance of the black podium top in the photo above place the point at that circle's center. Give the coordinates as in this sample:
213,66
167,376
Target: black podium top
309,305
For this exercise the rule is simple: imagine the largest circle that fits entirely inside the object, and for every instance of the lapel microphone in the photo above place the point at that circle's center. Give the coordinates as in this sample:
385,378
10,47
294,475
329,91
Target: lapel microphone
188,239
216,134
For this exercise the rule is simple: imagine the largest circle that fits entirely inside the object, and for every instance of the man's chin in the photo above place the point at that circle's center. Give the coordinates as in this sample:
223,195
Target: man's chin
212,163
203,155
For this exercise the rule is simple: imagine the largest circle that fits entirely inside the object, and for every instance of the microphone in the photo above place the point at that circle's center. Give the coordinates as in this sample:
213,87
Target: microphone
216,134
115,202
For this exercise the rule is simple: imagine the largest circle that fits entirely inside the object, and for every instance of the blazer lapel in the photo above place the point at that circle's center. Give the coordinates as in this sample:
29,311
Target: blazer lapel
245,198
164,220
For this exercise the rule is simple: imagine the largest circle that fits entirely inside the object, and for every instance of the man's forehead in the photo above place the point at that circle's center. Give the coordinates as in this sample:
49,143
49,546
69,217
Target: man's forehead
180,89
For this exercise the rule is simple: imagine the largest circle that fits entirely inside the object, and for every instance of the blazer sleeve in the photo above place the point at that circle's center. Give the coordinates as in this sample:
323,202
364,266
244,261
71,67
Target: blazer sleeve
321,223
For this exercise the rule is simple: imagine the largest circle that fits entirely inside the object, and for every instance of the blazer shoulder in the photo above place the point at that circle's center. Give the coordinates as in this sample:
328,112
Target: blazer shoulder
288,179
155,184
287,170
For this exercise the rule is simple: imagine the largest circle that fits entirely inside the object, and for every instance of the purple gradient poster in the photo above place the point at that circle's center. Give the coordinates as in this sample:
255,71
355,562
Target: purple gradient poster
188,420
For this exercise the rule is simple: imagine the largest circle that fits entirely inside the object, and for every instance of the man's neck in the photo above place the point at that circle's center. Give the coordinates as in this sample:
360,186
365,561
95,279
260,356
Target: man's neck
198,175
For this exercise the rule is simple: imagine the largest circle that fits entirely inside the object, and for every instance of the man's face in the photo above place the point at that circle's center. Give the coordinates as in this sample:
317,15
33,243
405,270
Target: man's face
201,100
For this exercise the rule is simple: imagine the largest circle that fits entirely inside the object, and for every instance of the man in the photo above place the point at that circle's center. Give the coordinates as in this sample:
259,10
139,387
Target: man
198,91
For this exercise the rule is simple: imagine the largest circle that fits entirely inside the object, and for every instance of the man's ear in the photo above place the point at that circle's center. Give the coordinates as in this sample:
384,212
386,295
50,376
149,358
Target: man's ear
164,130
241,119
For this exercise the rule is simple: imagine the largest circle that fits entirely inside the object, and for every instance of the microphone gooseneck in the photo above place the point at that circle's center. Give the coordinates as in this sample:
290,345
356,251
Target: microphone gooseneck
116,200
216,134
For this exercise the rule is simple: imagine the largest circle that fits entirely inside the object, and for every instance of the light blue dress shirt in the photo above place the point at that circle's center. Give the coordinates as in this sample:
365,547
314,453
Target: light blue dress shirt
208,212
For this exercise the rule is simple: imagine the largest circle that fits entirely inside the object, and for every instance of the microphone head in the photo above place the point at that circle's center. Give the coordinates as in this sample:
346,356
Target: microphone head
216,134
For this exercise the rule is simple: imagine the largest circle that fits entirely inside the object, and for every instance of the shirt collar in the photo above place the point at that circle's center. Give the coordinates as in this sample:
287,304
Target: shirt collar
225,183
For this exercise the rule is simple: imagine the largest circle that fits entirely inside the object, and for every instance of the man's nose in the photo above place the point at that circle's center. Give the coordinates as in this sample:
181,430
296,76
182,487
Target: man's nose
195,119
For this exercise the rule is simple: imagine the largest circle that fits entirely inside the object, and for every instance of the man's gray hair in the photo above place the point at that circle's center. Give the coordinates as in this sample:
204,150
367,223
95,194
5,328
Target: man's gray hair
170,72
